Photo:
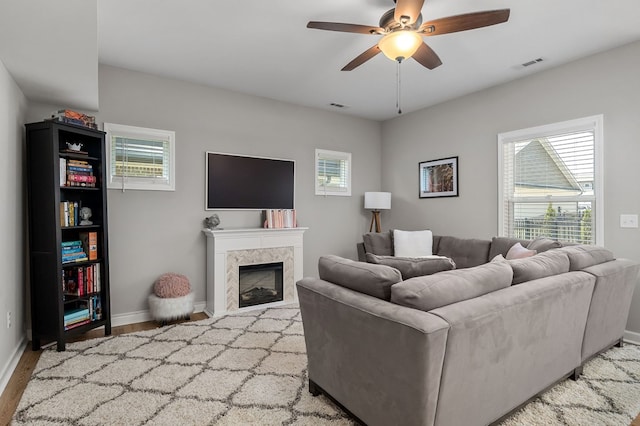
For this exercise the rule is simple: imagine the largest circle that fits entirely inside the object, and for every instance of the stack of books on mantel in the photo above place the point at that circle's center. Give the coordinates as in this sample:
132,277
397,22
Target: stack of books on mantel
280,218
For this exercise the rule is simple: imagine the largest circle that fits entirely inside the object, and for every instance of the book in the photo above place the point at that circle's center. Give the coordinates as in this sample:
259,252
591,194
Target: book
97,308
73,177
73,256
76,213
82,184
71,214
280,218
75,314
63,171
77,324
72,250
80,170
74,117
97,285
90,244
78,259
72,243
64,213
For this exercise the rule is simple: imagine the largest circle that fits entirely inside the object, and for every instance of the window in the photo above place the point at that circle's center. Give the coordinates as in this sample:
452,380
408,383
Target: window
333,172
140,158
550,182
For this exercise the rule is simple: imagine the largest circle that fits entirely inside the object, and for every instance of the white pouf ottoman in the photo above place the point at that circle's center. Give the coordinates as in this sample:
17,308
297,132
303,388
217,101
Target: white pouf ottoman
171,308
172,298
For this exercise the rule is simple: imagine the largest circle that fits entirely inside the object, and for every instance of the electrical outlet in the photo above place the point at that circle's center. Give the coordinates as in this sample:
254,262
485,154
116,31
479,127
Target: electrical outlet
9,319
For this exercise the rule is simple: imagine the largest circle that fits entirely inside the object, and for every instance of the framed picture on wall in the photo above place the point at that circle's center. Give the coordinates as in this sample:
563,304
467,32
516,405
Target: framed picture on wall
439,178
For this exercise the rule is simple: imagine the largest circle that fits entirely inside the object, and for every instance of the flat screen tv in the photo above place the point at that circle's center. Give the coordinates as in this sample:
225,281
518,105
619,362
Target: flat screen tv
238,182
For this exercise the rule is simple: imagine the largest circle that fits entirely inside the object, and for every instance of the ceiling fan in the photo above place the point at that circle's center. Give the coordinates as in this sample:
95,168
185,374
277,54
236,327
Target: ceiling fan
402,30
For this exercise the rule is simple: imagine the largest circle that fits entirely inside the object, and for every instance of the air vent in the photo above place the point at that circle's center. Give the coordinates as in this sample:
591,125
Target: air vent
336,105
532,62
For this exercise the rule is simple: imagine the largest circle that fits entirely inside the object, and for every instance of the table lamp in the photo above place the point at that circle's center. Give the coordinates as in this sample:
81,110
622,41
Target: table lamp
376,201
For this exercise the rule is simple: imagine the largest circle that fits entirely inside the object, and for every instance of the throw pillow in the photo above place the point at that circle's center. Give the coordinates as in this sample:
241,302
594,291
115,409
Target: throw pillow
542,265
379,243
501,245
412,243
541,244
411,267
519,252
582,256
367,278
466,252
433,291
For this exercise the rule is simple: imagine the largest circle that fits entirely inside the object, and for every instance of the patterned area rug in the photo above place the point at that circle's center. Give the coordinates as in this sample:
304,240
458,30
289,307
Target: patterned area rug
250,368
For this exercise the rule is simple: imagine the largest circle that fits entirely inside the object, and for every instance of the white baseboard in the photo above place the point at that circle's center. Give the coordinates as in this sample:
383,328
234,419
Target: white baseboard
631,337
142,316
9,368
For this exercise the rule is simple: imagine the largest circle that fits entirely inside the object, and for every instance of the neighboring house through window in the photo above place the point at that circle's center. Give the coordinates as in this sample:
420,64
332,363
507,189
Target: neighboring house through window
550,182
333,172
140,158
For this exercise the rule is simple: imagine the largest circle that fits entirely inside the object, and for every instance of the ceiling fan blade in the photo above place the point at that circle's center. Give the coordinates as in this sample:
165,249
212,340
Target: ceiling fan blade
427,57
467,21
346,28
362,58
408,8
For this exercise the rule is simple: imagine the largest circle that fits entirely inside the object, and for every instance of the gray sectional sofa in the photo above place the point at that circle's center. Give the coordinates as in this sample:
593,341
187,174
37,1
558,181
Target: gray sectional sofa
463,346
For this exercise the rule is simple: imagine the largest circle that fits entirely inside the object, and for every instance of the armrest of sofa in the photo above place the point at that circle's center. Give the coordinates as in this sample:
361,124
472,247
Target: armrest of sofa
371,355
610,304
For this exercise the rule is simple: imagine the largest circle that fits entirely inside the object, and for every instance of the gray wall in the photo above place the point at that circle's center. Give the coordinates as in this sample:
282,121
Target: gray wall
605,83
152,232
13,106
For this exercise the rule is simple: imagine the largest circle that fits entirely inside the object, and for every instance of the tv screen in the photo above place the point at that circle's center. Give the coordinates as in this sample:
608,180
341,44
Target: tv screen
238,182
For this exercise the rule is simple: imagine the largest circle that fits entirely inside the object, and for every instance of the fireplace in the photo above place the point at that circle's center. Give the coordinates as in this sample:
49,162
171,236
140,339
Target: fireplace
259,284
229,250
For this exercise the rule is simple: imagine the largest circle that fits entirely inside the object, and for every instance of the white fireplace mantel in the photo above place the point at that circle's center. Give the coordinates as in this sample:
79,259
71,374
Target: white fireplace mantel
227,249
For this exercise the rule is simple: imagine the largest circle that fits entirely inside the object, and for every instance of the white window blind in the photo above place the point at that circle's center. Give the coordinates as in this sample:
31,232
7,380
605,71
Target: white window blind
551,183
333,172
140,158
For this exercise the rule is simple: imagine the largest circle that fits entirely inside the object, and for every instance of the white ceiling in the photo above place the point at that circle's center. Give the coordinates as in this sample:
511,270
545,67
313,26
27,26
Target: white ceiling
263,47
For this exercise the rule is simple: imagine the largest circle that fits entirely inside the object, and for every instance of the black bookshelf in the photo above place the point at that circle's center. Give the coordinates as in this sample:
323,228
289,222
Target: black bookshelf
53,292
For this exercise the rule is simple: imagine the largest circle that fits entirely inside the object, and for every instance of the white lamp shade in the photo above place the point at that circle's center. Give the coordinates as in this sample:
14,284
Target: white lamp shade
377,200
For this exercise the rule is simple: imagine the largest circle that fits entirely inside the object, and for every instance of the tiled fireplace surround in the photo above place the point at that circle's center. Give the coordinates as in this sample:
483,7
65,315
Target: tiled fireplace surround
228,249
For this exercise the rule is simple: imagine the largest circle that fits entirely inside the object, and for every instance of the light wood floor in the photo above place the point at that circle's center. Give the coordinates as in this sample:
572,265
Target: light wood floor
18,382
20,377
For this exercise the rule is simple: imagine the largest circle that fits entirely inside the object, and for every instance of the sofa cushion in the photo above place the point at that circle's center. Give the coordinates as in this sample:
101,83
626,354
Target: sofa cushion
518,252
432,291
501,245
374,280
380,243
411,267
541,244
464,252
542,265
412,243
582,256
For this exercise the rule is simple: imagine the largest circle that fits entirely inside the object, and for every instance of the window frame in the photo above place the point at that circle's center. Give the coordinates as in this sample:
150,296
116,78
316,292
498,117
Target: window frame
593,124
140,183
333,155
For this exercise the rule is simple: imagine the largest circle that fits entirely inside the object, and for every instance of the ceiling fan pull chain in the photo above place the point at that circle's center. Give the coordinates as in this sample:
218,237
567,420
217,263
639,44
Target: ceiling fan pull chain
398,99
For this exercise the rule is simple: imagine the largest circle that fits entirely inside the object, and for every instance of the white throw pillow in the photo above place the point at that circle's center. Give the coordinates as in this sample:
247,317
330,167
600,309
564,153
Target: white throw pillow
412,243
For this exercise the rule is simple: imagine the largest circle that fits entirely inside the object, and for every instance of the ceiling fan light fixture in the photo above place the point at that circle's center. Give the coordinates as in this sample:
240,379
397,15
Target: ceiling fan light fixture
400,45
